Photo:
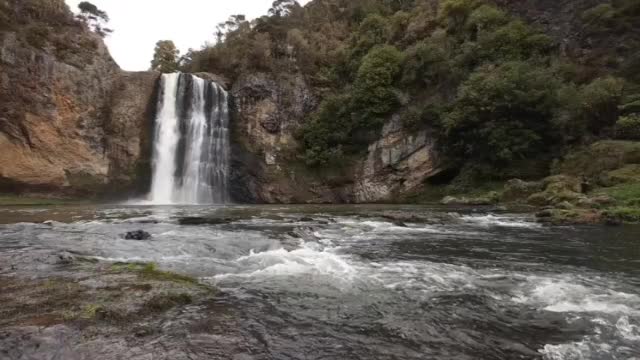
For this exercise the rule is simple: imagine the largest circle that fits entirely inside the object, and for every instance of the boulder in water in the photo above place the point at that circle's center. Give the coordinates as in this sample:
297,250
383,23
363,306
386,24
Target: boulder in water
137,235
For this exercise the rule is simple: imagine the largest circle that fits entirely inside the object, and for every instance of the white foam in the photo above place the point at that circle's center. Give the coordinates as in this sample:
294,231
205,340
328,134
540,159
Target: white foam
310,259
580,350
626,330
567,295
504,221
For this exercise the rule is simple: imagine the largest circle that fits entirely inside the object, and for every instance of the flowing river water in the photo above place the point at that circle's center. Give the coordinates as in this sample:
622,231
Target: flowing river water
378,282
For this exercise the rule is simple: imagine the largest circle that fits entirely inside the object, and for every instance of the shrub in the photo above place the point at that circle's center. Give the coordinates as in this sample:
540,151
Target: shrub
600,101
514,41
486,17
599,17
454,13
373,93
502,113
416,117
427,64
330,126
372,31
37,35
628,127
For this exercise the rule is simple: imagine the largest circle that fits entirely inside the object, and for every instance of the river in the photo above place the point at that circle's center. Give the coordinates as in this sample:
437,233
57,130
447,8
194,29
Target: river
377,282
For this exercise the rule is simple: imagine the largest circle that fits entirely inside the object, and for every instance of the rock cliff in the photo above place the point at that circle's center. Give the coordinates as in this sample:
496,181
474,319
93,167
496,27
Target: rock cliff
267,113
71,122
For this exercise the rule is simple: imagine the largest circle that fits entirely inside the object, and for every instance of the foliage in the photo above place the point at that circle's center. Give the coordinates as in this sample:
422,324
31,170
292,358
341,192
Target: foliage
456,12
486,18
600,101
37,35
165,57
513,41
599,16
628,193
493,88
373,92
502,113
372,31
628,127
624,214
329,128
427,64
95,18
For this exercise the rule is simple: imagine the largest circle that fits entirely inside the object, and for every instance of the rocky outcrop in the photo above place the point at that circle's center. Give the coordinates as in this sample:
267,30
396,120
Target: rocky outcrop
266,113
129,128
396,164
53,114
71,122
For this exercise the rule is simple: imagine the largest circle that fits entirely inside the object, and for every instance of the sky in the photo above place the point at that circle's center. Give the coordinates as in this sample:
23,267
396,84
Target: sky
139,24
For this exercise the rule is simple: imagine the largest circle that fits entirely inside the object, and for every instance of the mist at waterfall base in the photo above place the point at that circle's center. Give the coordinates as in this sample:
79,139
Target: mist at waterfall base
191,142
346,282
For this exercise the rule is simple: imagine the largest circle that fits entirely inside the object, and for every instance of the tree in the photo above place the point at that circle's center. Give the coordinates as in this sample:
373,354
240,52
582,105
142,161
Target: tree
373,93
233,23
281,8
95,18
165,57
601,99
503,113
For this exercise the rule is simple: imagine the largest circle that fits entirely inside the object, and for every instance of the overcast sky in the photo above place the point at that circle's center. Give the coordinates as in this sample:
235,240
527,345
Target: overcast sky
139,24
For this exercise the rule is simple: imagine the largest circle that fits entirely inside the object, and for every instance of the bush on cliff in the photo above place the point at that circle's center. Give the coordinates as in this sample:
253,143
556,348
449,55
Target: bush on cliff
502,113
628,127
374,96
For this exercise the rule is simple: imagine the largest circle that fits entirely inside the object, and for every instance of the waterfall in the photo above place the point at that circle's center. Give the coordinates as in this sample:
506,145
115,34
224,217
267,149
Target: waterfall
191,142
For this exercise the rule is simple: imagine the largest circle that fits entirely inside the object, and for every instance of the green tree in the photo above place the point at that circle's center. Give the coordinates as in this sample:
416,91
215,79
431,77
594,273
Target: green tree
374,96
372,31
95,18
329,128
281,8
165,57
502,113
600,101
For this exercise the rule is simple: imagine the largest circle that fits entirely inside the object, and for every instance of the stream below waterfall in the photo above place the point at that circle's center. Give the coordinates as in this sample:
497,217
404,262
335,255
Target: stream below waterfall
374,282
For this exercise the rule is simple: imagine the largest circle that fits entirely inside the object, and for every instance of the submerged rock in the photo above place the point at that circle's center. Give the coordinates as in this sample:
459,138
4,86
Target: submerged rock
137,235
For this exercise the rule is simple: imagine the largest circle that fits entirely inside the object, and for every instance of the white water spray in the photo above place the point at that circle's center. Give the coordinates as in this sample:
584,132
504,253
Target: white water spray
191,142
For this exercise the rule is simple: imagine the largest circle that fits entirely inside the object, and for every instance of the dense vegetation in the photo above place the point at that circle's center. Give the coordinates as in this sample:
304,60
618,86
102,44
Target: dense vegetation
49,26
492,88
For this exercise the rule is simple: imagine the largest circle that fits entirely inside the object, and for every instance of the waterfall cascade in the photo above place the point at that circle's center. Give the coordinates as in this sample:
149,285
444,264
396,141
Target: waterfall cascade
191,142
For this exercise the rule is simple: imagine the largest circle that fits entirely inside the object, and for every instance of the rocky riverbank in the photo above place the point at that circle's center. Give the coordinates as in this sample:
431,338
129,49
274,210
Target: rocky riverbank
66,306
598,184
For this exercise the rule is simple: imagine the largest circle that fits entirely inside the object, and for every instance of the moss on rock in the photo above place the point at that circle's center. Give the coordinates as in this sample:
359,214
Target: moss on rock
599,158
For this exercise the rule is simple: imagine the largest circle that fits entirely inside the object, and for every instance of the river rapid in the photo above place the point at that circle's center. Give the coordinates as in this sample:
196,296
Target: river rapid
377,282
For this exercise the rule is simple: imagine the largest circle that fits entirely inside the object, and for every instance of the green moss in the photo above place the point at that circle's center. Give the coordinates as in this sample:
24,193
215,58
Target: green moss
570,216
624,214
628,194
598,158
627,174
90,311
150,271
15,200
628,127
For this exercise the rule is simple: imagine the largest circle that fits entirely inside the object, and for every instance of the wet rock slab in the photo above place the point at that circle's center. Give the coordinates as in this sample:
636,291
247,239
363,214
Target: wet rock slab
58,305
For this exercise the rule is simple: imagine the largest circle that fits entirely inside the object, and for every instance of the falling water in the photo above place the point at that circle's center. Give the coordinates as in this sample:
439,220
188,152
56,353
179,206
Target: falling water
191,142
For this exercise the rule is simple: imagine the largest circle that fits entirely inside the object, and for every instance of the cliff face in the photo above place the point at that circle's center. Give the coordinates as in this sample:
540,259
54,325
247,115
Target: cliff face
400,162
71,122
267,113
